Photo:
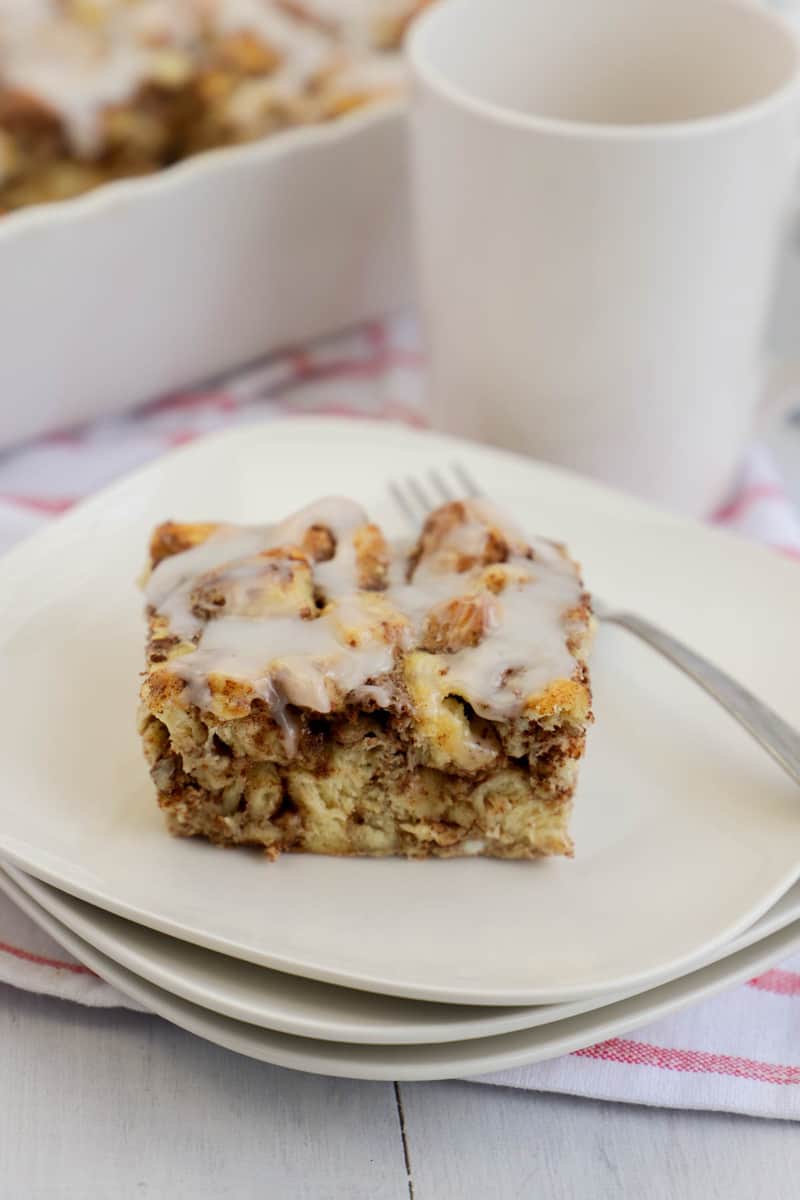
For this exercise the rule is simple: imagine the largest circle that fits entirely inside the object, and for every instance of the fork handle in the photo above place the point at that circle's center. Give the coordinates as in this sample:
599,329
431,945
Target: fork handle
776,735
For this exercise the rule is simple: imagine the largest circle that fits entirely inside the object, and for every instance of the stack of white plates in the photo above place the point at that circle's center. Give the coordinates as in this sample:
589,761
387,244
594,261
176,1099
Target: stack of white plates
687,834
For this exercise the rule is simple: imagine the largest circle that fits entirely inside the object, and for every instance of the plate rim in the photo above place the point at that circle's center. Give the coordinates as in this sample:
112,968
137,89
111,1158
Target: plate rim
405,991
58,905
239,1038
367,426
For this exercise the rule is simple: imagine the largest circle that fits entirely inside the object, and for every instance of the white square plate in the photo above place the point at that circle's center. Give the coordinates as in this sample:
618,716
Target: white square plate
685,831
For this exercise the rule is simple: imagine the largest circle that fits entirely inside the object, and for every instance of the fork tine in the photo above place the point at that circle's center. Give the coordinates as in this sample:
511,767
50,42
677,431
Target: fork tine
466,480
416,498
400,498
441,485
414,486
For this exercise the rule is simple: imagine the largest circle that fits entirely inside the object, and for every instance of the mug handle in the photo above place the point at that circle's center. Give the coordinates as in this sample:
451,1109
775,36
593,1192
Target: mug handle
781,390
781,393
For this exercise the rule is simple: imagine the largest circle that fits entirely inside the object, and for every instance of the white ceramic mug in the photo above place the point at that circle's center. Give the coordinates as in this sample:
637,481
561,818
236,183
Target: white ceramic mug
599,192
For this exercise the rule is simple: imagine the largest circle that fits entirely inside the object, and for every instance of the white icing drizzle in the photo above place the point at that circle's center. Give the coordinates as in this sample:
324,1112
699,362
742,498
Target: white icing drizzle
522,653
372,74
171,583
83,56
304,661
360,21
316,662
74,71
304,50
524,648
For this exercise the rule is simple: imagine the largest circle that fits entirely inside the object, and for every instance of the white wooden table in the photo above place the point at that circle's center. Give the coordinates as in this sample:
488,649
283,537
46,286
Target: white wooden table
113,1105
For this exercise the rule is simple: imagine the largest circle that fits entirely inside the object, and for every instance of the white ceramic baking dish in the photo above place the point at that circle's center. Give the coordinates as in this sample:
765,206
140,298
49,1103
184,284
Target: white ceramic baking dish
152,284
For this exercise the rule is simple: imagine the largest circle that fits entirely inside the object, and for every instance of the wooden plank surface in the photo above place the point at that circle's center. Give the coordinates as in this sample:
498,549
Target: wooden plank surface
475,1142
97,1104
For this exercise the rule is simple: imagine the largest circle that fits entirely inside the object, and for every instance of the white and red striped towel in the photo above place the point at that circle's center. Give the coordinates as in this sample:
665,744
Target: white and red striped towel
739,1051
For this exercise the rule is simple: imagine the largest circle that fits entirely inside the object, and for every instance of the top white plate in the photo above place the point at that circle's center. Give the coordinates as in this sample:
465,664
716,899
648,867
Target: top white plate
685,831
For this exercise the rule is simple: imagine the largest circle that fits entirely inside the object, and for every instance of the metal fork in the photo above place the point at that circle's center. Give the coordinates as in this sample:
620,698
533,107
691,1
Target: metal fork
417,497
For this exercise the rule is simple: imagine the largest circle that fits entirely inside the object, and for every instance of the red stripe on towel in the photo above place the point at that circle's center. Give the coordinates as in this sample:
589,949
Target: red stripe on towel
51,505
41,961
699,1062
782,983
749,496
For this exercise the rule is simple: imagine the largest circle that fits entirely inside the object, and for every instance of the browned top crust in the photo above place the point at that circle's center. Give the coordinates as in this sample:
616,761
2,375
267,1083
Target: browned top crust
321,612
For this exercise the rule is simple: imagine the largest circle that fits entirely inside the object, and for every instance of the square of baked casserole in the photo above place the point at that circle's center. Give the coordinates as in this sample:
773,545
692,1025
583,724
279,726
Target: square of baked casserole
312,686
